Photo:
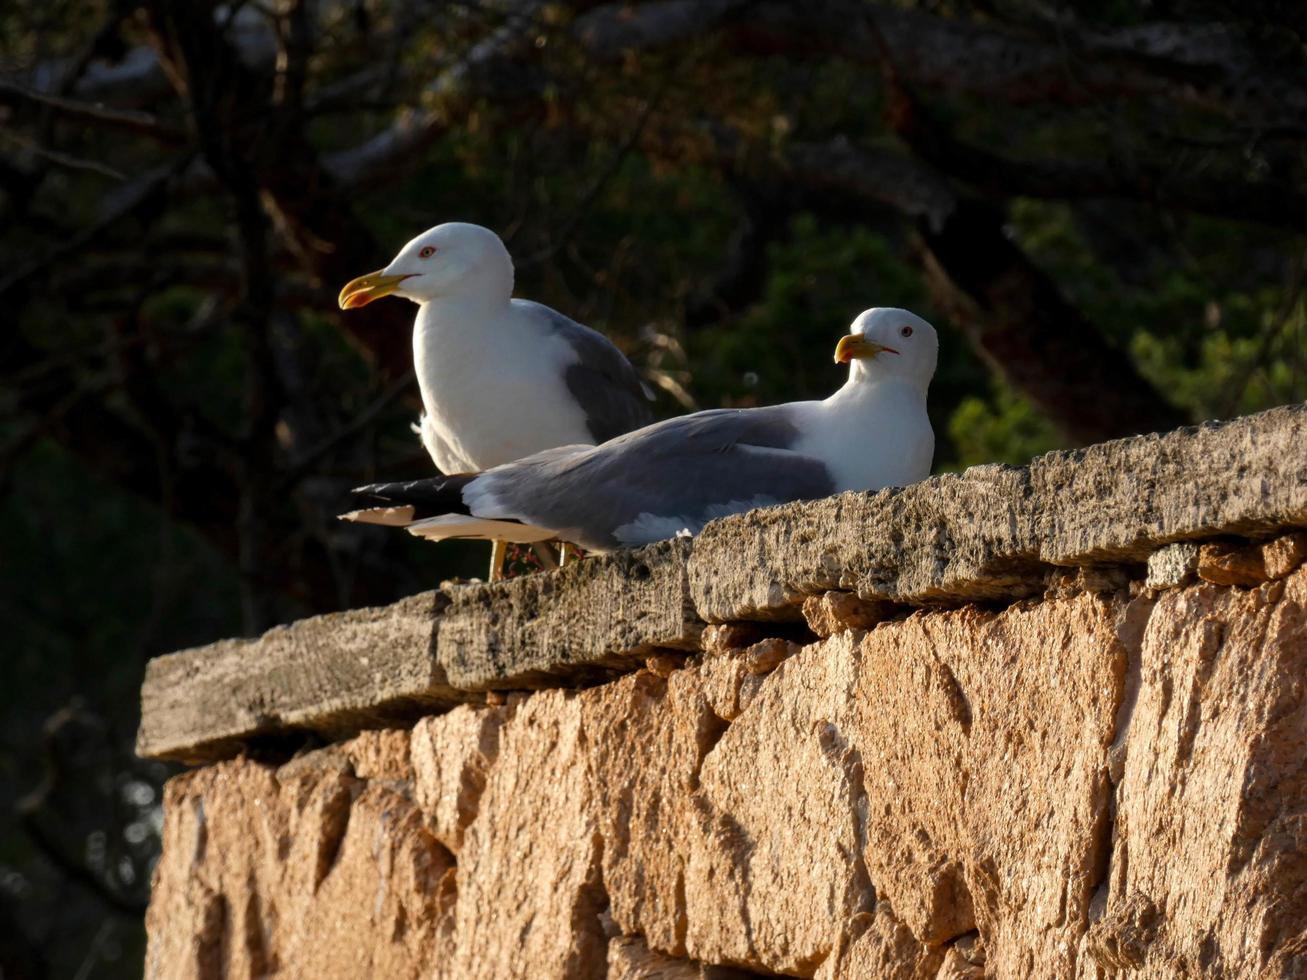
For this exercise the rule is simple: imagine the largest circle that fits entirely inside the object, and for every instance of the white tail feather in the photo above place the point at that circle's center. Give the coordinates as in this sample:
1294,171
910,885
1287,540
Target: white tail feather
400,516
463,526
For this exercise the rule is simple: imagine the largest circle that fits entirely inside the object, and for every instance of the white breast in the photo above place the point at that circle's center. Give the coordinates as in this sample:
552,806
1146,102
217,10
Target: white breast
493,389
870,436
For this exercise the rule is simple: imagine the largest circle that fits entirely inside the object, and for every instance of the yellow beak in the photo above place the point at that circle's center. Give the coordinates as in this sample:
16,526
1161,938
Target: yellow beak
364,289
856,345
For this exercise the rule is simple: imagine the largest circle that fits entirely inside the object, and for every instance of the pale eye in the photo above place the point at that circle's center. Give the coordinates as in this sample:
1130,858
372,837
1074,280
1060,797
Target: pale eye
905,331
427,252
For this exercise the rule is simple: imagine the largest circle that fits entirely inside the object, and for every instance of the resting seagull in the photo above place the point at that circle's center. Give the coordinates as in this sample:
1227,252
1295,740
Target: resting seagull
677,475
501,378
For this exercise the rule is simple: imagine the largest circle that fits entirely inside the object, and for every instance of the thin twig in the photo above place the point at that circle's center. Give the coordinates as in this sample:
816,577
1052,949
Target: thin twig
131,120
65,160
1235,387
297,470
602,179
118,205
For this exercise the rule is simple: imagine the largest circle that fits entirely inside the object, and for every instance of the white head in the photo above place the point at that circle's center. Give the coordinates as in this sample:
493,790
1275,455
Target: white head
453,259
885,342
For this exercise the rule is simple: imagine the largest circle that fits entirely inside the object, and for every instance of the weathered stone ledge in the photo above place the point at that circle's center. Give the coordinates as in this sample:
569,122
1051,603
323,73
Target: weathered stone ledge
992,533
334,675
581,622
995,532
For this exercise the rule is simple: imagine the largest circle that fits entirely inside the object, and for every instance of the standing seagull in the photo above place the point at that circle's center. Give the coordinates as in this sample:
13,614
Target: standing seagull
679,474
501,378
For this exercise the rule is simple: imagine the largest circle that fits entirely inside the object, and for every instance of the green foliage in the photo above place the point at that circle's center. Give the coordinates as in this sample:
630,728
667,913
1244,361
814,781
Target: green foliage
998,427
1232,372
1192,306
820,278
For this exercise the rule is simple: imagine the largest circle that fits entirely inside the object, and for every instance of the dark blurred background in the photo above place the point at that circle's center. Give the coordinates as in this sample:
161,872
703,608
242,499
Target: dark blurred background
1101,204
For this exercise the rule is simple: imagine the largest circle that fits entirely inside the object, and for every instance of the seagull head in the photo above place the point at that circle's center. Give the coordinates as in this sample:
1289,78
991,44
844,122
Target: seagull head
886,342
453,259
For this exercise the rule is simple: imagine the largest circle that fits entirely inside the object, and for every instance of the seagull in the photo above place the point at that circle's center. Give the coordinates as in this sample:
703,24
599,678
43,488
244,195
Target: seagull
501,378
669,479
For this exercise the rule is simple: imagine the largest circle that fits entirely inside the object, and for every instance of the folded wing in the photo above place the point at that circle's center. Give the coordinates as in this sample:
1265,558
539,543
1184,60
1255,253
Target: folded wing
644,486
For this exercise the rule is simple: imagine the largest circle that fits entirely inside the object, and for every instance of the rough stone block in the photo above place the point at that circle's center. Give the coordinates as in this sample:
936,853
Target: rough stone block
959,712
585,620
274,862
1284,554
947,539
941,767
1121,500
992,532
1068,787
1209,852
1172,565
452,755
333,675
1251,563
1223,563
835,612
766,655
530,886
876,944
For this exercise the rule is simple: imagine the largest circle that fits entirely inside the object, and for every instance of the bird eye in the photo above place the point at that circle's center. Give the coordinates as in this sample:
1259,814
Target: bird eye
905,331
427,251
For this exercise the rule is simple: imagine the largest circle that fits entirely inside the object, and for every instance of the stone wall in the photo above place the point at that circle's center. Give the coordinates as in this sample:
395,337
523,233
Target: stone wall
1023,722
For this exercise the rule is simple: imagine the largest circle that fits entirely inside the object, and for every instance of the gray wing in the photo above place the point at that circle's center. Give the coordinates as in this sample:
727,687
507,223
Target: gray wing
649,484
602,380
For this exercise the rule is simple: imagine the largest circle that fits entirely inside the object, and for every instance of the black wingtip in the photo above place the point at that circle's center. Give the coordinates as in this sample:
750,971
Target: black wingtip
430,497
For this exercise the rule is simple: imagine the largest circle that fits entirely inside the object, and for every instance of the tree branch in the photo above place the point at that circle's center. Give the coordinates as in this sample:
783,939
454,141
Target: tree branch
1211,65
126,120
302,197
1160,183
395,147
1027,330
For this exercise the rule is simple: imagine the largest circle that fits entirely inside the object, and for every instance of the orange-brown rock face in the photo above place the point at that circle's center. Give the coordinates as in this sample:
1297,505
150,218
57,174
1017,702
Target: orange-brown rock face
1092,784
1209,853
320,868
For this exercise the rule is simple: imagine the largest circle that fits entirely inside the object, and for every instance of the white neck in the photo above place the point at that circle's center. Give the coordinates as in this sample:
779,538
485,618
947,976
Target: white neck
491,279
860,390
872,434
462,334
453,307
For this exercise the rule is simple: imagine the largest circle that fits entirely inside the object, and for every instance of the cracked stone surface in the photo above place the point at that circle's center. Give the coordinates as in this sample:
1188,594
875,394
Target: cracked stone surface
988,808
587,619
331,675
530,885
1209,852
279,872
948,538
1076,784
994,531
1121,500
